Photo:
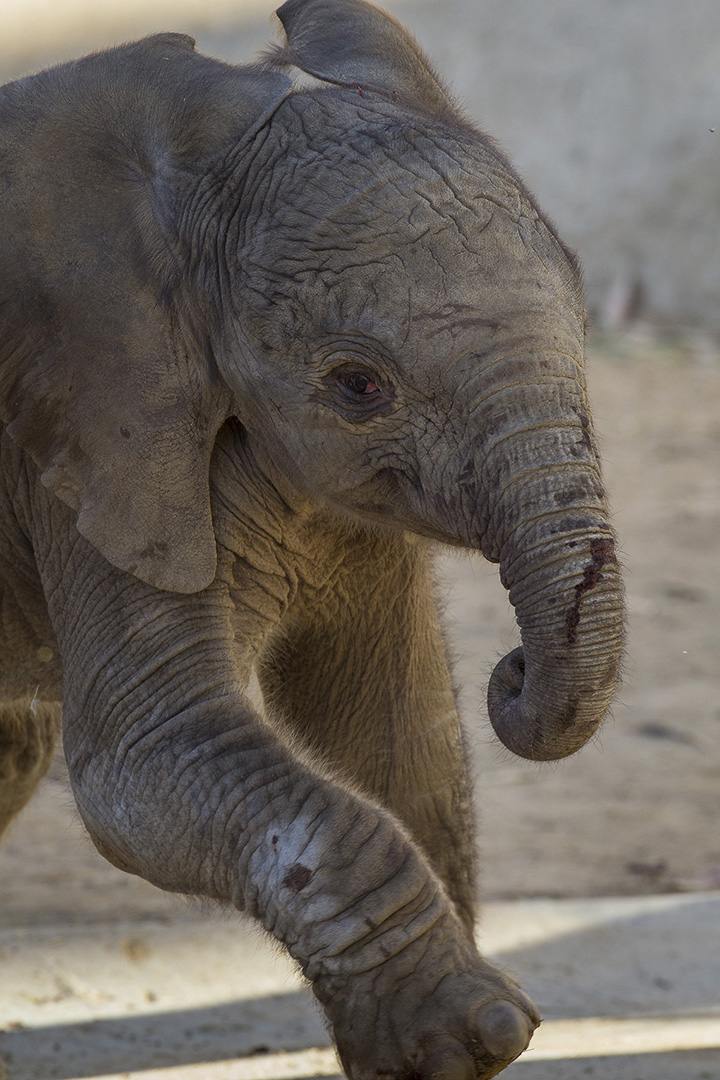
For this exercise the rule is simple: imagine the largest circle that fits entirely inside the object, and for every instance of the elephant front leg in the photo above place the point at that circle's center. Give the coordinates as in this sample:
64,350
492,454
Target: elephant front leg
179,781
403,986
360,672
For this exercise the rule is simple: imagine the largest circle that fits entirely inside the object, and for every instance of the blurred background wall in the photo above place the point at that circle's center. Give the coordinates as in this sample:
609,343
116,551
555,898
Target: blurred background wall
609,108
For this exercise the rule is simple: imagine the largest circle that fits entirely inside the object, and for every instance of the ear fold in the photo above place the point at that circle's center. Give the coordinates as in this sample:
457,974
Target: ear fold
101,380
351,42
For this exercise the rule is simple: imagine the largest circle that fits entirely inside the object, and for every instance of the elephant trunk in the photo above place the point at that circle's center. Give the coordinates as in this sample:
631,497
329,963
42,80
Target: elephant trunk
549,530
548,697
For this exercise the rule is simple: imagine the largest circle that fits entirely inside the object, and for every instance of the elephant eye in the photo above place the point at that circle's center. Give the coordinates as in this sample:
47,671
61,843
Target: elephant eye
355,394
358,383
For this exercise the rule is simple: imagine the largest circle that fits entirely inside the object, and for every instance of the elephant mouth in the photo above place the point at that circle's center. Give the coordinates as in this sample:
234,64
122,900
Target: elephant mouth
383,500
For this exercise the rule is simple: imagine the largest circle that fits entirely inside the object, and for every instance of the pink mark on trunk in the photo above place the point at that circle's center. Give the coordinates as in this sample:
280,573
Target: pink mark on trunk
602,552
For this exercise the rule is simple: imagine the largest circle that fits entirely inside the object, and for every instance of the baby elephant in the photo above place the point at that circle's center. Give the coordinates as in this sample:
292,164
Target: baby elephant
265,345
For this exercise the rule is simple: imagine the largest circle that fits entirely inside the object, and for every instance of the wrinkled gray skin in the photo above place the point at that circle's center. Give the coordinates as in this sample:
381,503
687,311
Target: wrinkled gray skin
260,347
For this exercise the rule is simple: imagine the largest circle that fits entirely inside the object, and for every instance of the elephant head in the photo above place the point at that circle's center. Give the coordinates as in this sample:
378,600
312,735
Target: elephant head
356,275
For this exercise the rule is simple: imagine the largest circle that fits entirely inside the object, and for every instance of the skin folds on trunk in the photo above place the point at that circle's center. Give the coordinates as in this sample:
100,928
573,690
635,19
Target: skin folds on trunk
547,698
547,526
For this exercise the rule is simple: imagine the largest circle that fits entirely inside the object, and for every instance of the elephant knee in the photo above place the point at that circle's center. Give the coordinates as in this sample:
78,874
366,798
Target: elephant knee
98,805
107,840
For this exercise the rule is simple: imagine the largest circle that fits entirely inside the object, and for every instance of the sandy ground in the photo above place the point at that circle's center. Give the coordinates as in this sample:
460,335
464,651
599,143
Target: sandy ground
192,997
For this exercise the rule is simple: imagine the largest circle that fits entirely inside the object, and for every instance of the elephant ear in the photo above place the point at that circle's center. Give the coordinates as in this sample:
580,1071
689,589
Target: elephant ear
102,381
353,43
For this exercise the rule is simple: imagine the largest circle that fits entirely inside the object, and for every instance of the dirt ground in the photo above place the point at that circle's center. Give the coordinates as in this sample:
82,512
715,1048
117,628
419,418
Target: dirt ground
636,811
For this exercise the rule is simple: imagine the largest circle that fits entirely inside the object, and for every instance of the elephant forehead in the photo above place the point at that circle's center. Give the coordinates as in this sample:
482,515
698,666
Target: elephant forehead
377,177
425,285
369,219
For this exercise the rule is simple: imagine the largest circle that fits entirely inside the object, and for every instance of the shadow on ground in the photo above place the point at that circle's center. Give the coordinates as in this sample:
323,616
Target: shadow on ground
127,999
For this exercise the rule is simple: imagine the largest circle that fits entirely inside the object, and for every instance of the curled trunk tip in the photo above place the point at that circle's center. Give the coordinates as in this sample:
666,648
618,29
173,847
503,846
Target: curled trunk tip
547,698
522,728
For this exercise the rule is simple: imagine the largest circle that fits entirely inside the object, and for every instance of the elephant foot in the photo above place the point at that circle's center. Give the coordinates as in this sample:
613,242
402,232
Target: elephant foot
423,1018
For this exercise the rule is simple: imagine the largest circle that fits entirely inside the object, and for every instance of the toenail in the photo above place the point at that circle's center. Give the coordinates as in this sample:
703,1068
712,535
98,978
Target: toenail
505,1030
